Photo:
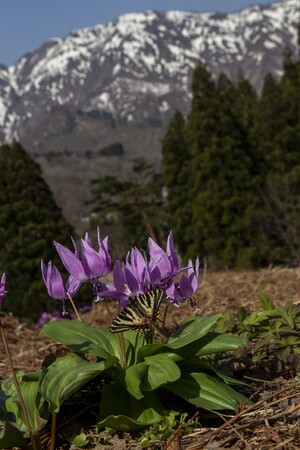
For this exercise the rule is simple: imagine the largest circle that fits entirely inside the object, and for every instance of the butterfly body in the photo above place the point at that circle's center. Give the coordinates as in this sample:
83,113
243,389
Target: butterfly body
139,314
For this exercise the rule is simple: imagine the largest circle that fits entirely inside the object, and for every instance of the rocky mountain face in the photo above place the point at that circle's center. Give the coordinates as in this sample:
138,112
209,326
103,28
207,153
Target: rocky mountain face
95,101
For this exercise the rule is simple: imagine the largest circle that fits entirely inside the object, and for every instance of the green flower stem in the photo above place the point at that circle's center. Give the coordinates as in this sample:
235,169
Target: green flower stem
35,439
120,339
74,307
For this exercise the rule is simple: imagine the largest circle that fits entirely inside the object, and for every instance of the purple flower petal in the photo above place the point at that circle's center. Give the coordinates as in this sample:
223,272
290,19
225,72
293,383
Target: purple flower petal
121,297
185,287
171,252
44,271
55,283
119,277
132,282
92,262
71,262
72,285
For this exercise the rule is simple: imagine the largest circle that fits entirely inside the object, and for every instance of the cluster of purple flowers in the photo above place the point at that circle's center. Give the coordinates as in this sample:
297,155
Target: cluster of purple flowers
135,276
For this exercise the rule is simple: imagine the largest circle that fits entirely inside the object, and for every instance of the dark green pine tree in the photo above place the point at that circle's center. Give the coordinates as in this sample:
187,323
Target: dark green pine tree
246,112
268,122
30,221
224,174
268,119
177,178
199,135
279,135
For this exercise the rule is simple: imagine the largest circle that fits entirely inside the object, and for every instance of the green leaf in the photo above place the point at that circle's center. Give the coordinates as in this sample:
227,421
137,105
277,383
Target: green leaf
191,330
133,341
207,391
209,344
67,375
161,370
265,302
184,342
259,316
4,414
195,364
83,338
81,440
287,314
121,411
219,343
29,386
133,377
11,436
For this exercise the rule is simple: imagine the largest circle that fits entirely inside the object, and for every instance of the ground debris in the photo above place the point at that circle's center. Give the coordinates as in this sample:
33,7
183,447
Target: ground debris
272,422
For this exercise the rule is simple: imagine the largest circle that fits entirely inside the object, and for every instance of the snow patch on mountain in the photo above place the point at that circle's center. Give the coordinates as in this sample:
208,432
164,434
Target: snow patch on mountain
144,58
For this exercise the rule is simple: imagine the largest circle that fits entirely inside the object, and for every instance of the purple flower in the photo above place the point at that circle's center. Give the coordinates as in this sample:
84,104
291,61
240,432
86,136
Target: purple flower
163,266
137,276
136,272
91,264
71,262
54,282
130,279
2,289
186,286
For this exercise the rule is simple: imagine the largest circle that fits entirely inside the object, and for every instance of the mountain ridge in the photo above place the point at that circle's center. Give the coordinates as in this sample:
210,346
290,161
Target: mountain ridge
121,81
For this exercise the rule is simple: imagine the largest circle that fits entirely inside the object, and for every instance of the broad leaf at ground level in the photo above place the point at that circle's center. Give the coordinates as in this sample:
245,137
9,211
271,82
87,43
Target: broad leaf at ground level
11,436
29,386
68,374
83,338
219,343
161,370
121,411
133,377
207,391
184,341
133,341
192,329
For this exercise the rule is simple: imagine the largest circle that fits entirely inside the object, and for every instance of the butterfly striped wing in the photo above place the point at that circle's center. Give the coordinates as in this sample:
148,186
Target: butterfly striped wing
139,313
148,304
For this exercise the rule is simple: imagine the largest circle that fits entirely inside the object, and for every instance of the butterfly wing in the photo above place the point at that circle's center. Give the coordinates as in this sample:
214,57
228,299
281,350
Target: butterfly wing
148,304
130,318
138,314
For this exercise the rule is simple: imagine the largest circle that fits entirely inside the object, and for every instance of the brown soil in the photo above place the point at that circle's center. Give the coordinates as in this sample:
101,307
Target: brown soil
274,421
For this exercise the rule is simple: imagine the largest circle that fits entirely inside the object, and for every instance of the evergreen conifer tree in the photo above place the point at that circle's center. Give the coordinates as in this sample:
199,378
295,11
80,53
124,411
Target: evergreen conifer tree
30,221
224,174
279,136
176,169
199,129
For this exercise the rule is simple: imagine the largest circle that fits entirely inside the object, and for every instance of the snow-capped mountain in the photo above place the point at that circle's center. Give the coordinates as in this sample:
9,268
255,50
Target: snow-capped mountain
68,101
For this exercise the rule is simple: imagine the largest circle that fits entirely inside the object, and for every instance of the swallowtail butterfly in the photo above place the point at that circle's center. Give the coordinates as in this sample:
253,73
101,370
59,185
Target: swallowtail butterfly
138,315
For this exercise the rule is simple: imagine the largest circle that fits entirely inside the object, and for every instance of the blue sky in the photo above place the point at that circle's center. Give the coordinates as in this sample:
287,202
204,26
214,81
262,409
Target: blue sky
27,24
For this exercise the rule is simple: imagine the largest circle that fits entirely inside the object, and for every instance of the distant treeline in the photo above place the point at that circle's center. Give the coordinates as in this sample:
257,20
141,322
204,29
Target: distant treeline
29,222
230,187
232,170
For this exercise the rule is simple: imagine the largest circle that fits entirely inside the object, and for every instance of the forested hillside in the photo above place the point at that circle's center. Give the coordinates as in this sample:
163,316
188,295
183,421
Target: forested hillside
230,187
232,169
30,220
